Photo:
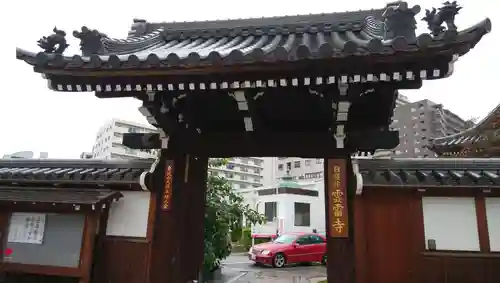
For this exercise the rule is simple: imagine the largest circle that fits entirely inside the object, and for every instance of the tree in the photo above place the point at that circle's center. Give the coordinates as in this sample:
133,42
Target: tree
224,211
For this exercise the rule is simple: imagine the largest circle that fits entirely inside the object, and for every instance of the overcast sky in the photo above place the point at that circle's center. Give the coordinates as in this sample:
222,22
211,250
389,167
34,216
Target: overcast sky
64,124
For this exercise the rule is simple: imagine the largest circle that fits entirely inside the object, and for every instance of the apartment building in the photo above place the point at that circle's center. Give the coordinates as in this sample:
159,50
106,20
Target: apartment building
109,140
242,173
420,122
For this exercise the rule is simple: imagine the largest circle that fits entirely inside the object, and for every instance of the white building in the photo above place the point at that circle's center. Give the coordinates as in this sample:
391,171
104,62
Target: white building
288,206
242,173
109,140
301,169
402,100
26,155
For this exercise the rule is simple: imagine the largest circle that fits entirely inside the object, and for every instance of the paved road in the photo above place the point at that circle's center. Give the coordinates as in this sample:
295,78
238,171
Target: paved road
238,269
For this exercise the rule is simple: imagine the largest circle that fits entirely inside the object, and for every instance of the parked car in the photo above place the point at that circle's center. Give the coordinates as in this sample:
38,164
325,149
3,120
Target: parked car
290,248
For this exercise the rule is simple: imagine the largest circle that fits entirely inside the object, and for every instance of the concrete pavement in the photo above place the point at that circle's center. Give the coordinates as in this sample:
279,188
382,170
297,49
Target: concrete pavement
239,269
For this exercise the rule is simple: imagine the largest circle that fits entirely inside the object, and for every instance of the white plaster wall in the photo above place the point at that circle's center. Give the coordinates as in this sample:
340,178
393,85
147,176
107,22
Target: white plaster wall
129,216
451,222
285,204
493,216
317,213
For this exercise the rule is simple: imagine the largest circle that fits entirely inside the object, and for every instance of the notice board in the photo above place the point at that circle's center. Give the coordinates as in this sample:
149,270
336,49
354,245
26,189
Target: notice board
60,245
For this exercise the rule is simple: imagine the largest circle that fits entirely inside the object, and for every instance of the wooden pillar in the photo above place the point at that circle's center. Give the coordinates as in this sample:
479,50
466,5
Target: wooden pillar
177,242
339,213
192,241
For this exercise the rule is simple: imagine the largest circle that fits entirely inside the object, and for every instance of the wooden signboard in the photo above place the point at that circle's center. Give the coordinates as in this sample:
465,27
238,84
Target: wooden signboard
167,189
337,194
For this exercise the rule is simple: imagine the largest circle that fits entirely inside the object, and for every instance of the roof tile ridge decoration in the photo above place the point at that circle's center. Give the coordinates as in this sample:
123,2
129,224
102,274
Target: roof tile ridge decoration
240,24
430,163
75,163
171,45
416,172
472,130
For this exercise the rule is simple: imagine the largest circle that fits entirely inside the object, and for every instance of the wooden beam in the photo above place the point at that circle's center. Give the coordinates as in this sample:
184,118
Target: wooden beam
360,239
99,263
177,241
164,255
339,214
482,224
193,230
87,249
248,144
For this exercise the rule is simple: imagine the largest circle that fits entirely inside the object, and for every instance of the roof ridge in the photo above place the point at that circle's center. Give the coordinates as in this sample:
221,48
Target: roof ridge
142,27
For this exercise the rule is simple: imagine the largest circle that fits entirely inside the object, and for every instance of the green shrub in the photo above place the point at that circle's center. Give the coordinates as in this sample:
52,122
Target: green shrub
236,234
246,238
224,210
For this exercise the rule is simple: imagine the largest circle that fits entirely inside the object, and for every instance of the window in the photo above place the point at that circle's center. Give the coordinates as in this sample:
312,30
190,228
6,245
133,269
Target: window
271,210
308,163
296,164
492,212
451,223
280,167
289,166
303,240
302,214
256,171
243,177
244,169
257,162
243,186
285,239
316,239
319,161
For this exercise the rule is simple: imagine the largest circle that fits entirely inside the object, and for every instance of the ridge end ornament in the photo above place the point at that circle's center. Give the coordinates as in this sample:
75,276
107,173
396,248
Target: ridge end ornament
399,20
435,18
90,41
55,43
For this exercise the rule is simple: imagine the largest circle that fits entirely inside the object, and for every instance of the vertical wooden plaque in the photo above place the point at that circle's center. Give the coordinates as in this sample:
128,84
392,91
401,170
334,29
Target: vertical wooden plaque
337,196
167,189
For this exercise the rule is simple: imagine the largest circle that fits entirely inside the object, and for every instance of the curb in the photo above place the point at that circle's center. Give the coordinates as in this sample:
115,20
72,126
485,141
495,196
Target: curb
316,279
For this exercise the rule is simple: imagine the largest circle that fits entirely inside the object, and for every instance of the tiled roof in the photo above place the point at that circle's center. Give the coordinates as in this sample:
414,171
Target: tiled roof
35,195
375,172
289,38
430,172
70,173
481,132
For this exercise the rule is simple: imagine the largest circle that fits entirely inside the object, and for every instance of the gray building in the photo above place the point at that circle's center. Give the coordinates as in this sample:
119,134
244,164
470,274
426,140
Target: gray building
421,121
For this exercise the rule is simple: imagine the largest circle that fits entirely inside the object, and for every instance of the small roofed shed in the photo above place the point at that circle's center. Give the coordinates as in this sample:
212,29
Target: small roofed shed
482,140
216,82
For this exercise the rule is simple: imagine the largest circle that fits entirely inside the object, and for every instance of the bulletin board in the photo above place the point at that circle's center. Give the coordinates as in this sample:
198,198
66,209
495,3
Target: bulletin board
45,239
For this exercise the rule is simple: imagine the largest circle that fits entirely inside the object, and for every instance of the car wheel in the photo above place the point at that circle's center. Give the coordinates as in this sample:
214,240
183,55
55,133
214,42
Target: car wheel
324,260
279,260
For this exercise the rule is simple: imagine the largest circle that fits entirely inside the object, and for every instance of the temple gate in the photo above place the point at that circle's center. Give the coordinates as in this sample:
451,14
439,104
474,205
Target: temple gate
315,86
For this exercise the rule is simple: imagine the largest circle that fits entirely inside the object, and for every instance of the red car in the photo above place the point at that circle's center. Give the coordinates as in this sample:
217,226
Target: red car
290,248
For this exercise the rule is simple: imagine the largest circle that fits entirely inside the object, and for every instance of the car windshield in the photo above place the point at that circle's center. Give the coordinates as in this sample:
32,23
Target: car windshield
285,239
